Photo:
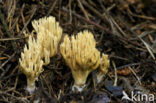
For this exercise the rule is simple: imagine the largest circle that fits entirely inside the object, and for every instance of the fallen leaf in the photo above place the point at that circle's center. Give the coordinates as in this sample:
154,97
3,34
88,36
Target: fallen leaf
124,72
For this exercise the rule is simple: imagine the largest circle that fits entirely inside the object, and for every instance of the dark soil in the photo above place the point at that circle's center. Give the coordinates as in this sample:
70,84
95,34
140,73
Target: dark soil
123,29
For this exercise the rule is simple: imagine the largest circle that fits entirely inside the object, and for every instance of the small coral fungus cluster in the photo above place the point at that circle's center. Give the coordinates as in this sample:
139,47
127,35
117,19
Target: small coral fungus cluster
79,52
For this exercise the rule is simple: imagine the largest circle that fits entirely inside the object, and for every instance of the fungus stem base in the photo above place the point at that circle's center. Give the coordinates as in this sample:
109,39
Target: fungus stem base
30,85
76,88
99,77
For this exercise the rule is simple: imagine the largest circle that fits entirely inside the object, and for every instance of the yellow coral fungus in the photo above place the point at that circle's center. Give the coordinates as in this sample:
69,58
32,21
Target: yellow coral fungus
31,63
40,50
81,56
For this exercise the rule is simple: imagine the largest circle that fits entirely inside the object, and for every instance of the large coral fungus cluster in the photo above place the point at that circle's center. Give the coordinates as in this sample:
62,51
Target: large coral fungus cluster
79,52
40,50
82,57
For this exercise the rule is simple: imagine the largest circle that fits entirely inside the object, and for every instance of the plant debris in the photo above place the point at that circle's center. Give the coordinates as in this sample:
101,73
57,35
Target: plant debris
123,29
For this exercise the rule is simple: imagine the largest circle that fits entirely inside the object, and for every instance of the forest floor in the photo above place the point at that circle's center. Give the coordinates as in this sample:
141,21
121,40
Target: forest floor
123,29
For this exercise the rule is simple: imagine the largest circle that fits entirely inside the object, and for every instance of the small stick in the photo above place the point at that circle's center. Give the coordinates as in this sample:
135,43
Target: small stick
9,39
143,34
82,8
95,11
140,16
52,7
128,65
148,48
70,14
25,24
7,60
135,75
116,77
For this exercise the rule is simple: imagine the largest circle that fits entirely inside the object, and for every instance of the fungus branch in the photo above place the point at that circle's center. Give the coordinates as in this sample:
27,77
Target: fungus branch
48,36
